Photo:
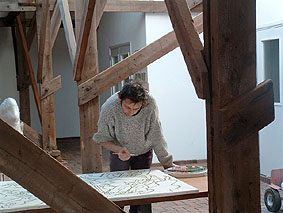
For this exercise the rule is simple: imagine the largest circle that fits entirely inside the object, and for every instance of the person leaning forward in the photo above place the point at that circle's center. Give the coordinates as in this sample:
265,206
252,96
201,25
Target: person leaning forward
129,125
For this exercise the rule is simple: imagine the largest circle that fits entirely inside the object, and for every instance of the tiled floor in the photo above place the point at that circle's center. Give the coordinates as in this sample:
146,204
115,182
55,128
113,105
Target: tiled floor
71,153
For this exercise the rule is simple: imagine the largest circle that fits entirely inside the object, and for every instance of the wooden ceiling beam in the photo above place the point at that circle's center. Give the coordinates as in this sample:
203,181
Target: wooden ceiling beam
130,65
190,44
46,178
111,6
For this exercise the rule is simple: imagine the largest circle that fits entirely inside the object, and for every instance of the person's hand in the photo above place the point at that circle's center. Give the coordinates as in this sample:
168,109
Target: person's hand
172,166
124,154
175,165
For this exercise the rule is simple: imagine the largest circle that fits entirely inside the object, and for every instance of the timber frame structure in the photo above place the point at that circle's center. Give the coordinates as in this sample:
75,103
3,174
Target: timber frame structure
223,72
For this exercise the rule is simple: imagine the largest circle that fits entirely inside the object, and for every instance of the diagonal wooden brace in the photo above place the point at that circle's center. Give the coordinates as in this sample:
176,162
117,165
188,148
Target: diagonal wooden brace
46,178
50,87
190,44
81,47
248,114
130,65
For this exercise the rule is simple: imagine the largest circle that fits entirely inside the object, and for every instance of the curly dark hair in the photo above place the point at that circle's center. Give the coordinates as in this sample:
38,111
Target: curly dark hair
135,92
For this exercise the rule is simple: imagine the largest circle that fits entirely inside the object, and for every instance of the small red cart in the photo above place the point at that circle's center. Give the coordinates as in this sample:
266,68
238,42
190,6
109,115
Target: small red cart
272,198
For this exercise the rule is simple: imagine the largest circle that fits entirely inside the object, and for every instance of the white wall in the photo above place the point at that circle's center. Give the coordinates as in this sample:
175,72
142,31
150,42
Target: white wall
182,114
8,81
116,29
271,137
268,11
66,99
66,104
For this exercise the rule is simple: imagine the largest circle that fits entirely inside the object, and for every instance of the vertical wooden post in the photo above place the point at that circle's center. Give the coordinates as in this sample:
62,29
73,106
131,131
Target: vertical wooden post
230,53
23,79
91,153
47,104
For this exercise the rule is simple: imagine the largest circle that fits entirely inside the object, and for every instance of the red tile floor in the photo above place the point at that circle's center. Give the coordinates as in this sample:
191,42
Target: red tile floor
71,154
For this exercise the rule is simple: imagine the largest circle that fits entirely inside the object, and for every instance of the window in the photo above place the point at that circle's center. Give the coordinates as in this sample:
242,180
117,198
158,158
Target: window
119,53
271,65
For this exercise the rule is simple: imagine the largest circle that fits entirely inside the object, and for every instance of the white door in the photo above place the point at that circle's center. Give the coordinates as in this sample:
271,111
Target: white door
269,66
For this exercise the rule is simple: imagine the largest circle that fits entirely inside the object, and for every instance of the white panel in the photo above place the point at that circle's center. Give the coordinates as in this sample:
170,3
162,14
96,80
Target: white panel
271,137
182,114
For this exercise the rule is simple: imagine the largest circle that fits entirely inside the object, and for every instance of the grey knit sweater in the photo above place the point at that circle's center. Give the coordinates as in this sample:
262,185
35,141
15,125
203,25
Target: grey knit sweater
138,133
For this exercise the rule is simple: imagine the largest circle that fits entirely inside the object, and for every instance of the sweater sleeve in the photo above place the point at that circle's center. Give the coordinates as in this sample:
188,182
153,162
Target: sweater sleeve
155,135
105,132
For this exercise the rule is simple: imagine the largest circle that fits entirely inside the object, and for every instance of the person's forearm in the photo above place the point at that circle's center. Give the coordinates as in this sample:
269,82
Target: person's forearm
111,146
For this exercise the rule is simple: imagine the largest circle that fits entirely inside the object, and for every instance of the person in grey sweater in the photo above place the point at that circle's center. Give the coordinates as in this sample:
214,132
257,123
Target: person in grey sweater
129,125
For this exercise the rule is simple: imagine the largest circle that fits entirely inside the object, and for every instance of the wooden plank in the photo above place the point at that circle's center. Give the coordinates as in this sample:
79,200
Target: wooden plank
234,166
28,61
32,135
42,38
50,87
83,40
55,23
47,179
239,121
68,28
190,44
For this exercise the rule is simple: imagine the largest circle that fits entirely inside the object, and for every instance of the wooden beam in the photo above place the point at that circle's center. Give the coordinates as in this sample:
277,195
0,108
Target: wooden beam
239,121
190,44
23,78
55,24
68,28
132,64
232,61
50,87
198,23
31,31
42,38
32,135
144,6
28,61
208,104
112,6
46,178
47,104
99,9
91,153
83,40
